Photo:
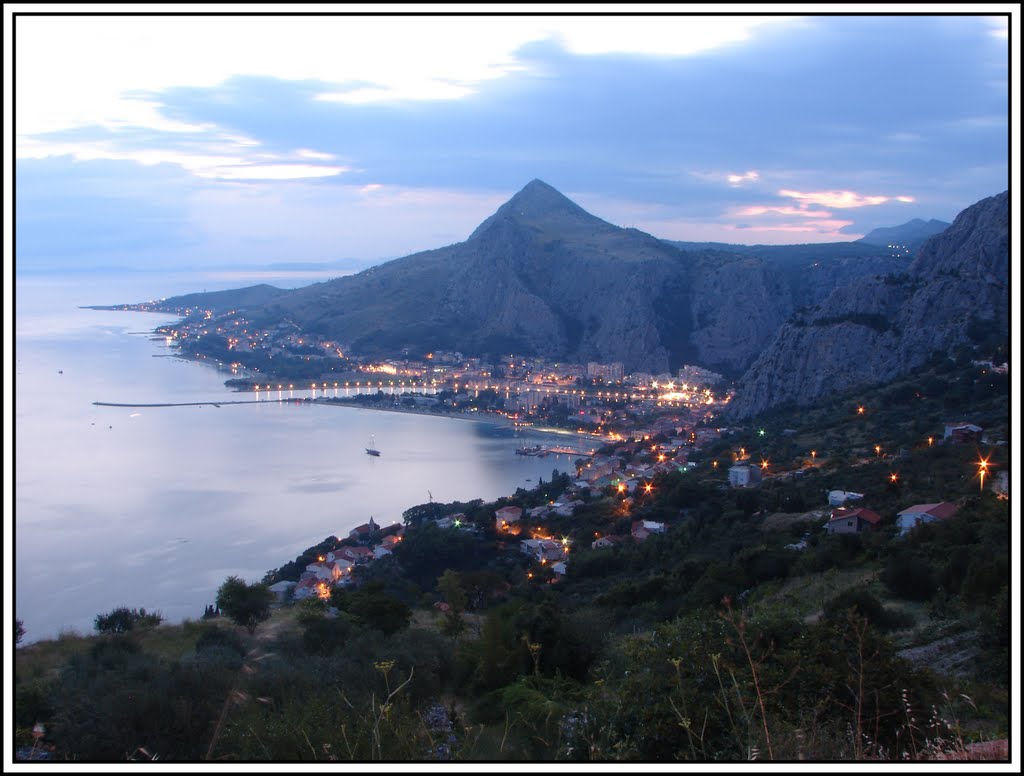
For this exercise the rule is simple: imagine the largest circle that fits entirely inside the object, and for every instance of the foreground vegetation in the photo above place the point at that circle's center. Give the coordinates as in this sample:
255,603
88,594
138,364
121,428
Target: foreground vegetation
718,640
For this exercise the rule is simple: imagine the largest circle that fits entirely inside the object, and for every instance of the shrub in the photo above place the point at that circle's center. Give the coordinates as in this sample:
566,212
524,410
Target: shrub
123,619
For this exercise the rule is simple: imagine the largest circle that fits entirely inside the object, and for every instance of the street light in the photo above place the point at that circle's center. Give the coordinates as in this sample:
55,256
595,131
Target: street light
983,465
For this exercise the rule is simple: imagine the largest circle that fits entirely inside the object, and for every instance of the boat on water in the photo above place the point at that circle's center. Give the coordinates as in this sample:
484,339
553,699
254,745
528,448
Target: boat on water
372,450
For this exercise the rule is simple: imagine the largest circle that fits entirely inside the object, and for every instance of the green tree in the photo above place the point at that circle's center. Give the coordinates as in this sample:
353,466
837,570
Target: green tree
123,619
19,631
450,586
246,605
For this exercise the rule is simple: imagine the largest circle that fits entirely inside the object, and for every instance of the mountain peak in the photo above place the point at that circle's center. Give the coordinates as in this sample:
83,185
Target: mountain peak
543,207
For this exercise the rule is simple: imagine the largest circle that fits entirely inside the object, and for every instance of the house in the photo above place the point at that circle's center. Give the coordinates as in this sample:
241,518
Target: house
380,551
362,532
961,432
607,541
305,588
354,554
529,546
550,551
566,510
319,570
912,517
389,542
282,590
836,498
848,521
559,569
744,475
643,528
506,517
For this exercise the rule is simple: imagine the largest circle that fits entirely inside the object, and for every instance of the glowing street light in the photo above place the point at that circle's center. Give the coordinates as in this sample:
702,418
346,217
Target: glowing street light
983,465
894,477
878,449
860,410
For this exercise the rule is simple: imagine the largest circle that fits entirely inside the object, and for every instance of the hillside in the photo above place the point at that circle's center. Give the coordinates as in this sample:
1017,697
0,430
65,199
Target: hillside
744,625
955,294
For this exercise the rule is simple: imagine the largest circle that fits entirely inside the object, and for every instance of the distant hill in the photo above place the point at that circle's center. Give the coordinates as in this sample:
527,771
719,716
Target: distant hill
910,236
955,293
222,301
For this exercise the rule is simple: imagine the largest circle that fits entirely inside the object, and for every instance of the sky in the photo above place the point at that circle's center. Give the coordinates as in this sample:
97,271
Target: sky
196,141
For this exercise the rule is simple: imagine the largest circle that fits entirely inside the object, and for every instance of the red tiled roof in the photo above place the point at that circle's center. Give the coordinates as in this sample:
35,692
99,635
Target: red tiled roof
862,512
939,511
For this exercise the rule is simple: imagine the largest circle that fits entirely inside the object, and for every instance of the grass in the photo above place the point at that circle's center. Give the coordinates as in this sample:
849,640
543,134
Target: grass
806,595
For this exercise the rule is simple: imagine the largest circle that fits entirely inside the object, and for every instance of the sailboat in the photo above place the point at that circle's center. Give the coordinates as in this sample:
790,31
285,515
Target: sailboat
371,450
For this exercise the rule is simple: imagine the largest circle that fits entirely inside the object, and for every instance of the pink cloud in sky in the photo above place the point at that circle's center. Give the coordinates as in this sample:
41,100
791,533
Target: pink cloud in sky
839,199
785,210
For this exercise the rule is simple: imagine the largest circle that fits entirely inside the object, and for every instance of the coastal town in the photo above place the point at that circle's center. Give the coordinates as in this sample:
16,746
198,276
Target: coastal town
601,399
632,430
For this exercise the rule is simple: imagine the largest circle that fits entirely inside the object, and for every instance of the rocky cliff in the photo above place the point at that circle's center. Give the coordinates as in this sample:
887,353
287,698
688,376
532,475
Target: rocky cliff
878,327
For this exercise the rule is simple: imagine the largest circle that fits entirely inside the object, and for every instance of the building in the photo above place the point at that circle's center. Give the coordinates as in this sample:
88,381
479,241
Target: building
695,375
911,517
849,521
507,517
607,541
610,373
836,498
744,475
958,433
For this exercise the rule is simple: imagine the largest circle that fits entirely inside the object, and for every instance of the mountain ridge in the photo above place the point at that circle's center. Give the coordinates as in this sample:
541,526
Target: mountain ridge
954,294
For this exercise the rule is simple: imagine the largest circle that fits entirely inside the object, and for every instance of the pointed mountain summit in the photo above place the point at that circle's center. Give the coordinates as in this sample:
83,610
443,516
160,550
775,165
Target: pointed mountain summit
543,277
543,207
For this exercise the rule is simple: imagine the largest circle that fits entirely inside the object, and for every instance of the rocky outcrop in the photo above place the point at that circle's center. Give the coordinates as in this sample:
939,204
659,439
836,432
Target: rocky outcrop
877,328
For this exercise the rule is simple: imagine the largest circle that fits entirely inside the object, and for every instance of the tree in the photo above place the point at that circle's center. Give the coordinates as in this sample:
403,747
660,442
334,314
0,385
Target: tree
123,619
246,605
19,631
450,587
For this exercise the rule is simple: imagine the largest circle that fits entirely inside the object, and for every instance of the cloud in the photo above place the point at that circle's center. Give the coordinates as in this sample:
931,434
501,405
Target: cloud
736,178
278,172
839,199
759,210
441,119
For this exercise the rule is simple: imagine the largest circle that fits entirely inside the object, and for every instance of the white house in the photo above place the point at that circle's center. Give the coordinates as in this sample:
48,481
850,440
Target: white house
923,513
282,590
836,498
743,475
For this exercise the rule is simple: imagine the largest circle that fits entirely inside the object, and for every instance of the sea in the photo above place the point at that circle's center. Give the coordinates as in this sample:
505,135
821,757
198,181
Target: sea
154,507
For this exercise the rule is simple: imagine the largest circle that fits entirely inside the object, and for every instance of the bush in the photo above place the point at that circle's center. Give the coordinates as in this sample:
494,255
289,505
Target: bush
123,619
910,576
212,637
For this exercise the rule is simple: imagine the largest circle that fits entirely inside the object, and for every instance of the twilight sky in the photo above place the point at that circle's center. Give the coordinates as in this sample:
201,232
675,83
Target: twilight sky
156,141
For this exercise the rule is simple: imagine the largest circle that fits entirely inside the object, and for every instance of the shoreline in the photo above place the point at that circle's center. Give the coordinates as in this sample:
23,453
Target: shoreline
498,420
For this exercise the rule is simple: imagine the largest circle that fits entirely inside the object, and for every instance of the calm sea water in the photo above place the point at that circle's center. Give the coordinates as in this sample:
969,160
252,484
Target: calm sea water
155,507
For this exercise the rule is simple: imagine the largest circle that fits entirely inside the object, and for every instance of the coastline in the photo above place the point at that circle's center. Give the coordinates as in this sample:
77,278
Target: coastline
498,420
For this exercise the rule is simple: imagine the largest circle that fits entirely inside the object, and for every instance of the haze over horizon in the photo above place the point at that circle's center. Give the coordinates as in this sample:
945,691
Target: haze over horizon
201,141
